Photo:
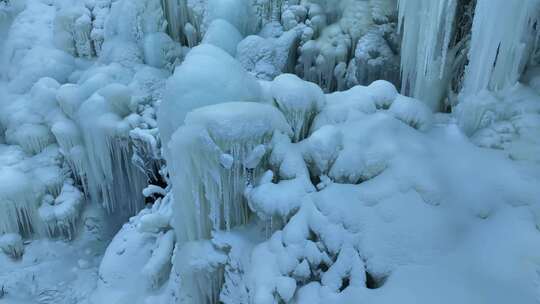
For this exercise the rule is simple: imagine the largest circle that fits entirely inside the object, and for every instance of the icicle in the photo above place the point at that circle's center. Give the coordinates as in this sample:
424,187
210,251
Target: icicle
60,216
503,35
33,138
191,34
12,245
299,101
81,35
111,176
209,196
172,11
201,279
100,13
184,20
72,31
427,28
18,204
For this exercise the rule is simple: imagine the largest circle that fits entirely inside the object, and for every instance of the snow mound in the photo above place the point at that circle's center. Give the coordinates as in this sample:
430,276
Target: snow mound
60,216
412,112
299,101
224,35
12,245
207,76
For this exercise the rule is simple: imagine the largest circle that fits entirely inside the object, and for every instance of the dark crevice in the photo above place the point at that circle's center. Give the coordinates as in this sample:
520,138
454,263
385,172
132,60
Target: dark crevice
323,267
345,282
315,179
374,282
157,180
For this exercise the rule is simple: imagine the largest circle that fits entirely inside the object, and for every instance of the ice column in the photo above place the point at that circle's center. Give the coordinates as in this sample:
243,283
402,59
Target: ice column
209,164
18,204
427,28
503,35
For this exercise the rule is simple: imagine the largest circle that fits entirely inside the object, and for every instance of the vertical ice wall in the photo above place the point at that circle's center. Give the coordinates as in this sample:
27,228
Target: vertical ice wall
503,34
427,28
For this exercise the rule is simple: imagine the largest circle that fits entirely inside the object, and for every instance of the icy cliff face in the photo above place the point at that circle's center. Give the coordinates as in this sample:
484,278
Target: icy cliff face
269,151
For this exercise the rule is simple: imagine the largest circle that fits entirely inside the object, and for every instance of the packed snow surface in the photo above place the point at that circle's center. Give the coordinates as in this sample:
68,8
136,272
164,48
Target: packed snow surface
269,151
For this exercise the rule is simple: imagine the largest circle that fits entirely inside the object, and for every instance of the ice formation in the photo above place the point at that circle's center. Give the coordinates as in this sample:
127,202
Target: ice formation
498,54
299,101
212,193
54,142
25,181
449,47
259,151
427,28
12,244
207,76
60,216
334,45
343,40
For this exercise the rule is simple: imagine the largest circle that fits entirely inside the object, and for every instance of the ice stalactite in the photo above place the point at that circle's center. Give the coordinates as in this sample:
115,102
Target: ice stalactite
299,101
135,33
100,13
268,11
69,138
33,138
72,31
111,175
26,182
199,266
61,214
335,48
95,141
427,28
147,156
266,58
131,21
208,170
314,39
376,57
12,244
503,38
174,12
18,204
185,20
